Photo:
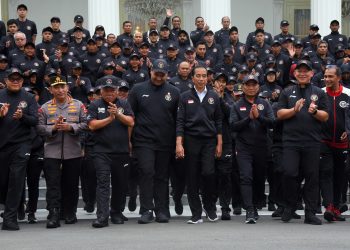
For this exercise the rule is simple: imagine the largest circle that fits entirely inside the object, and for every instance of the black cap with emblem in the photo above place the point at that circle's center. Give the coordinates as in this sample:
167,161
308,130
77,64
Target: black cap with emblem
109,82
57,80
122,84
160,66
13,71
250,78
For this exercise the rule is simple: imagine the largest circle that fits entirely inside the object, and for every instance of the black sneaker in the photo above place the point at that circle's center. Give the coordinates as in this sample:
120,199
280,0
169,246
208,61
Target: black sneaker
225,215
132,203
295,216
10,226
249,217
70,219
179,208
237,210
89,208
124,217
256,214
278,213
32,219
312,219
117,219
100,223
211,215
195,220
146,217
343,208
162,218
21,215
287,215
271,207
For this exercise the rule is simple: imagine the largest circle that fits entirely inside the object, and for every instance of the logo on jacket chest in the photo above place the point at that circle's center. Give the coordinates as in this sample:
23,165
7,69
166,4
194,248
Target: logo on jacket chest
343,104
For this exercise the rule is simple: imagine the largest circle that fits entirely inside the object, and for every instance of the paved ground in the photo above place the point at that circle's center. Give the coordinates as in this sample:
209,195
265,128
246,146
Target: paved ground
268,233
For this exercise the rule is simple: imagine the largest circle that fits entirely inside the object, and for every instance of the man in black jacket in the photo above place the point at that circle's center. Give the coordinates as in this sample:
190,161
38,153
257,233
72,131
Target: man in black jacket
154,103
18,114
199,141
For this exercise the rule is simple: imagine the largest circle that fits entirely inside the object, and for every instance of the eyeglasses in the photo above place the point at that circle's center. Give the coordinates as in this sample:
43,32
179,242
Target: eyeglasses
20,39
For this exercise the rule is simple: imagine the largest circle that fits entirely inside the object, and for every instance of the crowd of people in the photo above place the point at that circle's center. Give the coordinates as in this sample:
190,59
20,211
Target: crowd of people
126,115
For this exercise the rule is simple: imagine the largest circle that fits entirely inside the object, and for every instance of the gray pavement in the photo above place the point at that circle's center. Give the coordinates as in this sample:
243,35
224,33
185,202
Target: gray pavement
268,233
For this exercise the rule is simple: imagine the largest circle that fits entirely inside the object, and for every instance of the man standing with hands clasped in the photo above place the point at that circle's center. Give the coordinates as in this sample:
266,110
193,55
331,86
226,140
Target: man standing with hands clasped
303,108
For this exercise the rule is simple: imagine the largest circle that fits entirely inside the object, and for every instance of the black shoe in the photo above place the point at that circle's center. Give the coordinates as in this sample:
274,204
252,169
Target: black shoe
312,219
10,226
211,215
300,206
249,217
295,216
179,208
225,215
195,220
343,208
237,210
100,223
53,219
319,210
132,203
124,217
271,207
89,208
21,215
287,215
32,219
71,219
337,215
146,217
278,213
162,218
117,219
256,214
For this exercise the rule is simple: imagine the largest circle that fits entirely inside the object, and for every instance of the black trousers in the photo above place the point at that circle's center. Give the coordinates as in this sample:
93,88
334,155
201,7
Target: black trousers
252,165
332,174
153,166
302,161
62,175
110,167
236,187
13,163
88,177
276,192
223,167
132,177
200,162
34,168
178,178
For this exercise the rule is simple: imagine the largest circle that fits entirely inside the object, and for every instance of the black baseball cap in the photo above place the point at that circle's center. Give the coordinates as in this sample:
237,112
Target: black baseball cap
250,78
160,65
243,68
260,19
228,52
209,32
316,35
164,27
172,46
231,79
328,61
50,72
314,27
108,65
153,32
284,23
339,48
144,44
47,29
55,19
78,18
109,82
20,6
270,59
3,57
251,56
306,63
345,68
298,43
29,44
237,89
190,49
334,22
270,70
220,74
91,40
62,41
77,65
276,42
123,84
13,71
133,55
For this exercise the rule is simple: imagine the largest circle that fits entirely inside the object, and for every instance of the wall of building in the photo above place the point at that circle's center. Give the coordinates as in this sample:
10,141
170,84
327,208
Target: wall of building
41,11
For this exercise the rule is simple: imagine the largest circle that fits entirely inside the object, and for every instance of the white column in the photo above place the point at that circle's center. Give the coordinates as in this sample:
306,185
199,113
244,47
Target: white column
323,12
212,12
104,13
277,16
